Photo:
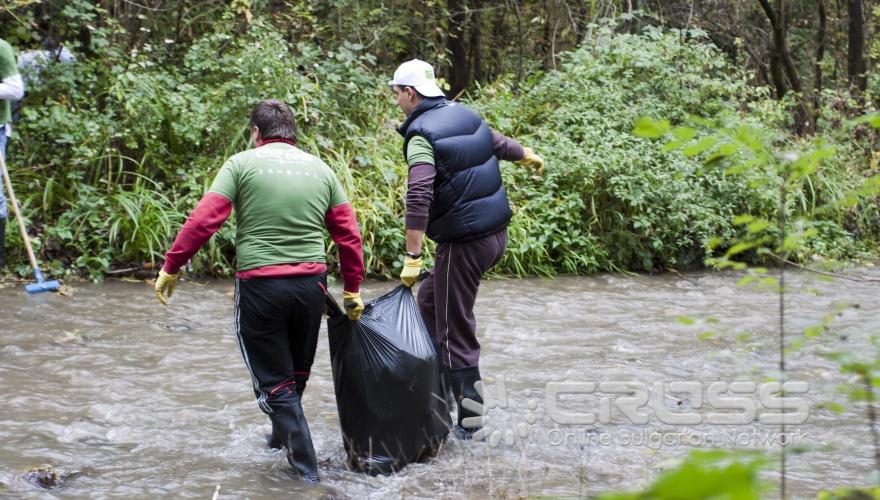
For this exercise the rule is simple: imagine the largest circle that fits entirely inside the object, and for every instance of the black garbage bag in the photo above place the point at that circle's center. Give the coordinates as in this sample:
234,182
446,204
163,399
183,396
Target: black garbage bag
387,380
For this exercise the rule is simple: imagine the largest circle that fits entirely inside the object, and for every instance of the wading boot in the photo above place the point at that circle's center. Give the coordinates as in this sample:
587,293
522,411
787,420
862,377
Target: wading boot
290,425
463,380
273,440
2,243
446,387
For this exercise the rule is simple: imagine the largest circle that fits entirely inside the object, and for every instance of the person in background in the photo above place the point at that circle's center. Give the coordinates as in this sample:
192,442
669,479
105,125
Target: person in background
11,89
283,197
32,62
456,197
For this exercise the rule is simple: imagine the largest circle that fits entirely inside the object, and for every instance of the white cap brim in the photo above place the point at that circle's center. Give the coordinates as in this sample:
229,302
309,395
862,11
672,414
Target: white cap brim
429,89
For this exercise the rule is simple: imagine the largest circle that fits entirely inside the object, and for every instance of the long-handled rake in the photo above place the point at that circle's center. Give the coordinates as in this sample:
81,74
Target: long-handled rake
41,285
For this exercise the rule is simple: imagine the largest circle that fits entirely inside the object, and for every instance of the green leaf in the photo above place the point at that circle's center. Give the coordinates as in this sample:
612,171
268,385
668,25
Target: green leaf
739,220
715,242
739,248
685,320
700,146
836,408
745,280
651,129
684,133
792,242
758,226
872,119
744,337
672,145
769,281
814,331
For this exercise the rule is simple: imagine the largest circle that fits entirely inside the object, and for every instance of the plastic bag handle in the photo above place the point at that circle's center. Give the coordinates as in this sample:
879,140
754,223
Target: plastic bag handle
333,309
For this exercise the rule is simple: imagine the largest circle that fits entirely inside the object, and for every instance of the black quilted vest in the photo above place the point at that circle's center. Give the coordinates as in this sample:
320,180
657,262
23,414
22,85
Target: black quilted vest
469,200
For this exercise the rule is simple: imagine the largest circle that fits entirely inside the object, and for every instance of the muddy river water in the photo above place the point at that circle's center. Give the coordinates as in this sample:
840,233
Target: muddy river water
125,398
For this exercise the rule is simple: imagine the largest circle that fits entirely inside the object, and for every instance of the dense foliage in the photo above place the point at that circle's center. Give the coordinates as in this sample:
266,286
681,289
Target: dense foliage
114,150
111,152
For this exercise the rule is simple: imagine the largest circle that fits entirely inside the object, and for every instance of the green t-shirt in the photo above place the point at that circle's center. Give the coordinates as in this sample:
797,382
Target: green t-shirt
419,150
7,69
280,194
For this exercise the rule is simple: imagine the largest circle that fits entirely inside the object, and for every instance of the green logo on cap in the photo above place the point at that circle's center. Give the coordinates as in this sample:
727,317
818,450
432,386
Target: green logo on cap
429,73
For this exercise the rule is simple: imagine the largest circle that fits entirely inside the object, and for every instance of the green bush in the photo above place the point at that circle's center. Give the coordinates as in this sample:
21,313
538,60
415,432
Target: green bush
113,151
612,200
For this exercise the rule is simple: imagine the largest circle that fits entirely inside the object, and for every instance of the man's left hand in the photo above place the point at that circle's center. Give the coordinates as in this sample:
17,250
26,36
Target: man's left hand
533,161
165,283
353,305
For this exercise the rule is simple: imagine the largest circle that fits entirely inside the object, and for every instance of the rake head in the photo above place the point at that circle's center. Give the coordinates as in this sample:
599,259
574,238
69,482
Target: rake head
43,286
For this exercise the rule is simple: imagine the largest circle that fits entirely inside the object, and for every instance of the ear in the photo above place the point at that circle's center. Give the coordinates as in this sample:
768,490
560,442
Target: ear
255,135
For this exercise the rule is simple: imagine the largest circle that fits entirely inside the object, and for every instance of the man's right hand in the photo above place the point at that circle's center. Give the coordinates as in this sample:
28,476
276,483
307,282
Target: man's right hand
165,283
410,273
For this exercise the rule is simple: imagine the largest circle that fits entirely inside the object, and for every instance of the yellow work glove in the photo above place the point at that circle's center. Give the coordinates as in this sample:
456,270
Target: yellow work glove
353,304
411,269
532,160
165,283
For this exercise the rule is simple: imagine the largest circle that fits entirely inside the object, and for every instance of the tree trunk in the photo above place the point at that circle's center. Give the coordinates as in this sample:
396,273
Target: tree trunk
780,37
776,72
583,18
547,38
459,74
476,43
519,36
836,70
820,56
781,57
630,6
855,58
497,44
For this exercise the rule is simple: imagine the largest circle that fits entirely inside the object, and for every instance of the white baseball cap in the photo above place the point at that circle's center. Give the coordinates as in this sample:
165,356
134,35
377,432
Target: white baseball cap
418,74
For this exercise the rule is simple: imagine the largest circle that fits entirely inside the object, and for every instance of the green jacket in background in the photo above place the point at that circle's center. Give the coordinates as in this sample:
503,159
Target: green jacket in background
7,68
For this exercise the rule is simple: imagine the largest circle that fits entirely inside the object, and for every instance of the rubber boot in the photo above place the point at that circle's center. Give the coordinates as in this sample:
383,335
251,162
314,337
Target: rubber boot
290,424
446,387
445,380
2,242
273,440
463,380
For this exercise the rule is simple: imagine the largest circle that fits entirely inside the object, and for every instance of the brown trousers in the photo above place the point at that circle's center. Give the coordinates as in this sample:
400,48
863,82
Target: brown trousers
447,296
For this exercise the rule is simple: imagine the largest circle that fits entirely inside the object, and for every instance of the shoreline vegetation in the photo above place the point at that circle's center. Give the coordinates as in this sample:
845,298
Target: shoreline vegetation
111,152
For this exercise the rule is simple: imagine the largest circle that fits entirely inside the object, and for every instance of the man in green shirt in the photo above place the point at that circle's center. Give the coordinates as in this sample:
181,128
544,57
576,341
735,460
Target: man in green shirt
283,198
11,89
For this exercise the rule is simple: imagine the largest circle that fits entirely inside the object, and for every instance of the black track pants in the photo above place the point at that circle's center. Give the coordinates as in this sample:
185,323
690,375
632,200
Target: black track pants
277,322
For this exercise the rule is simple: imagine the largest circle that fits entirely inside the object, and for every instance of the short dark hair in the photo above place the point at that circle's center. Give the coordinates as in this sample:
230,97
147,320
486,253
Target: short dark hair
401,87
274,119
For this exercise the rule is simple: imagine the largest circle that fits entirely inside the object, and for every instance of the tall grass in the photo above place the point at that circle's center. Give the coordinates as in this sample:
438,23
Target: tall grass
113,152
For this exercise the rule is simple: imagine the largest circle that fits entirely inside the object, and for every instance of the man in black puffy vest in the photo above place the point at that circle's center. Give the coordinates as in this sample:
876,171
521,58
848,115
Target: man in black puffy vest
454,195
